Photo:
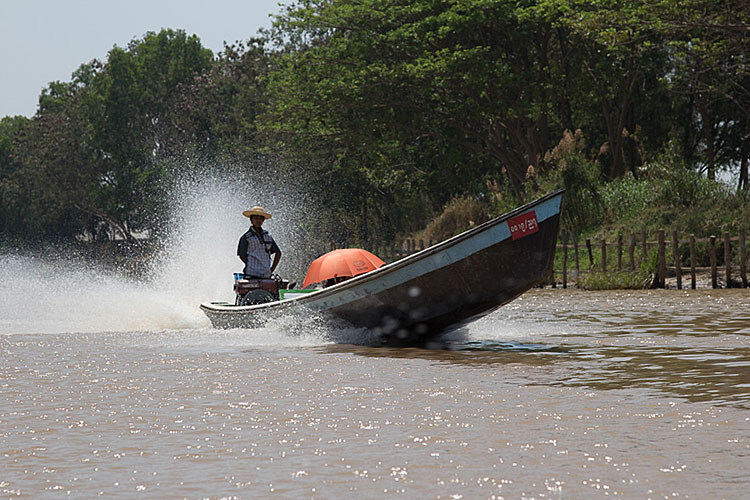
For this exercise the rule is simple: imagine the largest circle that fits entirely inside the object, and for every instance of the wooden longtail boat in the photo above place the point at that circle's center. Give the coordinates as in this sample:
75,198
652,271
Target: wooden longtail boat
439,288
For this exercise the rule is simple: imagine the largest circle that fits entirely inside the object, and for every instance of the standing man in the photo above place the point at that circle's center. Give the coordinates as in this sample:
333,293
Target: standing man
256,246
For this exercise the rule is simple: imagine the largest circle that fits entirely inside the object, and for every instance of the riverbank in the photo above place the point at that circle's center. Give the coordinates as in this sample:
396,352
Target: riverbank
703,281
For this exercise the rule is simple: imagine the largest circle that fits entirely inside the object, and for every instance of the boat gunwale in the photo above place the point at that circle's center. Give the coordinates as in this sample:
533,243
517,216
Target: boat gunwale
221,308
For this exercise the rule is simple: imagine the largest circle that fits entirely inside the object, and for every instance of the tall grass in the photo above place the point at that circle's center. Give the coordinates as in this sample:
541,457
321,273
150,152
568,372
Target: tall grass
618,280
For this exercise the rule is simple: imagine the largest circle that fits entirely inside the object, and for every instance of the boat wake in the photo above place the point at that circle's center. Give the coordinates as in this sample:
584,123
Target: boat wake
74,298
70,296
64,294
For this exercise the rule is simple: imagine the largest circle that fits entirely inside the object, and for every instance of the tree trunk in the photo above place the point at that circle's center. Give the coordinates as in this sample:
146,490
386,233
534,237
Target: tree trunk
121,227
365,231
617,148
615,124
708,137
742,186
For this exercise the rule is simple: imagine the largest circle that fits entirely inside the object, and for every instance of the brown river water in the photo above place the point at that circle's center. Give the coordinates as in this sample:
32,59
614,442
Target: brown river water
562,394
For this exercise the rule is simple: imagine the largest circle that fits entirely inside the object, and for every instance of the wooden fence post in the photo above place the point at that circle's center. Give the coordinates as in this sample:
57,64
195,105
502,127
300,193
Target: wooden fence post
575,248
676,256
631,251
712,256
728,259
692,261
565,260
604,255
421,245
662,273
591,255
743,259
644,250
619,252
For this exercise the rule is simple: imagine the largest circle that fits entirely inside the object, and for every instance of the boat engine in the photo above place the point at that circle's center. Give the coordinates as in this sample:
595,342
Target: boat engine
257,291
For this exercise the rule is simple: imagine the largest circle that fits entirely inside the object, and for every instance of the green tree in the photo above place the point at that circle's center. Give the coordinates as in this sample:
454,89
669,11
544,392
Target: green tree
56,165
419,98
125,109
669,64
11,184
622,86
86,161
216,113
709,44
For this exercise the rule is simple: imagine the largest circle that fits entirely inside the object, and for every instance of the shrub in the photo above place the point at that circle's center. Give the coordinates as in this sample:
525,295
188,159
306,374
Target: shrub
572,171
620,280
461,213
627,198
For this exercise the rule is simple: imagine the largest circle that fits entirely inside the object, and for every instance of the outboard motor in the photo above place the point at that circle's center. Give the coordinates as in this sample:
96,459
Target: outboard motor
257,291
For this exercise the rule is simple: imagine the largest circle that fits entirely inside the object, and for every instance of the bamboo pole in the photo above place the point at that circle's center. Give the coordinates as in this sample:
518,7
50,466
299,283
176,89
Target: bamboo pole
662,273
712,256
728,259
552,281
575,248
676,257
692,261
565,261
743,259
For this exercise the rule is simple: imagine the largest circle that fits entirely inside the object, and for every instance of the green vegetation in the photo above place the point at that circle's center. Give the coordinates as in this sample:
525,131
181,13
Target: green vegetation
625,279
619,280
415,118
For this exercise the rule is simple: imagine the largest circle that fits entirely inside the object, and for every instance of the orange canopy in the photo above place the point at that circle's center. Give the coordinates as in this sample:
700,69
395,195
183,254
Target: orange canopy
348,262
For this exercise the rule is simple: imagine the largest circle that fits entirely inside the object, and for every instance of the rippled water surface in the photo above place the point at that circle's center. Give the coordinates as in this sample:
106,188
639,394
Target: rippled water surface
561,394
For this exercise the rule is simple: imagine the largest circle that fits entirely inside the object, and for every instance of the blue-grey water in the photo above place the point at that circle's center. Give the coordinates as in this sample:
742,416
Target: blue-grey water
562,394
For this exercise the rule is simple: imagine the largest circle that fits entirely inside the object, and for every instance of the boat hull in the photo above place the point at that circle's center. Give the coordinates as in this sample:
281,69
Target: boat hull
442,287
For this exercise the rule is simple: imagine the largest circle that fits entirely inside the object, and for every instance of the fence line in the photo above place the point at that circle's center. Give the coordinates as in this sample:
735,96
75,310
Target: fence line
735,250
626,257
